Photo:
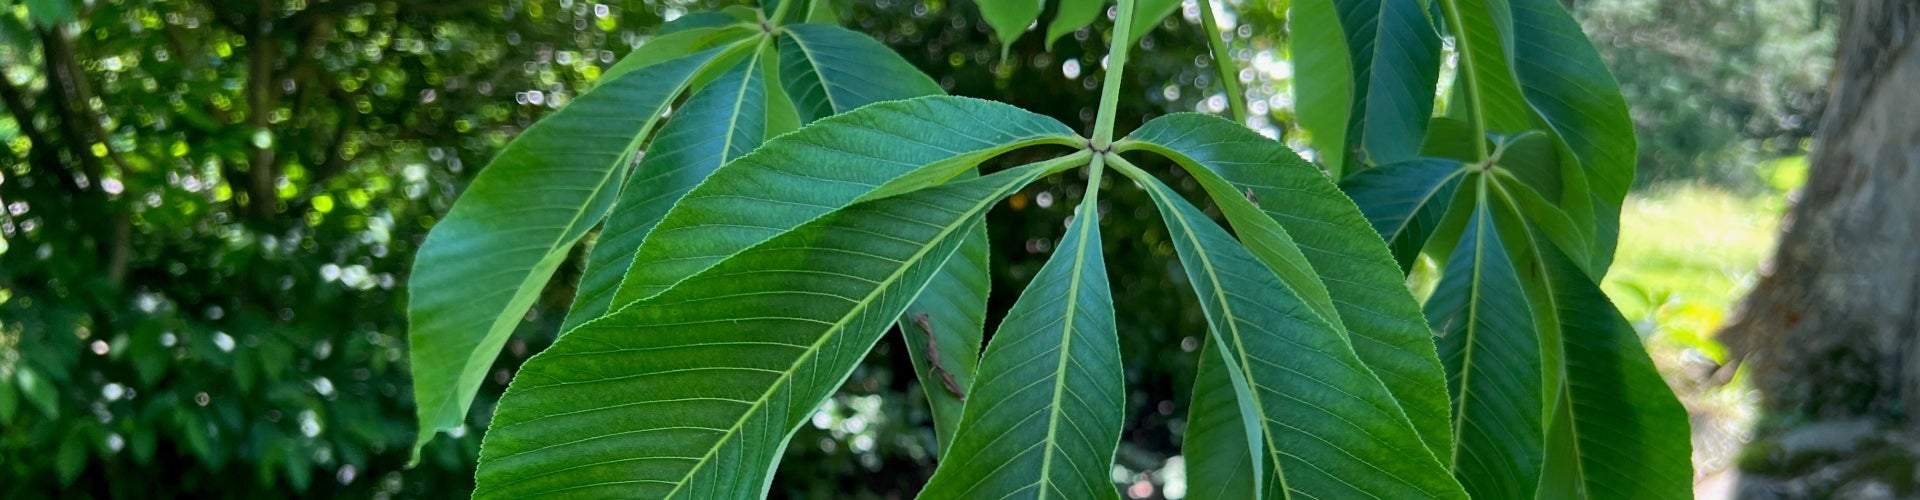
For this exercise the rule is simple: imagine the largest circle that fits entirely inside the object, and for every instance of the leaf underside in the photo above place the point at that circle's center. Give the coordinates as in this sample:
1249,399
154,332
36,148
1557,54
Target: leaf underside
1043,419
693,393
476,274
1331,430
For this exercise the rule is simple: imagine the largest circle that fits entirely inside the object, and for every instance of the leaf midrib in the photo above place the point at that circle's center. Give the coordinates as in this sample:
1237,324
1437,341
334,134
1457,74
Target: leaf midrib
1220,295
1472,325
1425,198
1066,341
833,331
1470,76
1566,388
626,155
806,50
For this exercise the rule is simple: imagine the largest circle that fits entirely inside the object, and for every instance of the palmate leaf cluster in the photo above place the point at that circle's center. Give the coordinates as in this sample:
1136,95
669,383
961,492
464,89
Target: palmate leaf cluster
745,265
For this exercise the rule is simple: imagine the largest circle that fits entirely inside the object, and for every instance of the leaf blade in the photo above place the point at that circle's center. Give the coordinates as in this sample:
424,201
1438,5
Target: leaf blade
725,366
1396,64
1072,15
718,123
740,205
1222,445
1057,357
1629,433
454,336
1347,271
1324,84
827,69
943,328
1492,355
1379,453
1405,202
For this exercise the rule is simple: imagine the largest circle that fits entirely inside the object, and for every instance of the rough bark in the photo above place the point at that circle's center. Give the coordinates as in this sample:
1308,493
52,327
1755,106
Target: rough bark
1830,329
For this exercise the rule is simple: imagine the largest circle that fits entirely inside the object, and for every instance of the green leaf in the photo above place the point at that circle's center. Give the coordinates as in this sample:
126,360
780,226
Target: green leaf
1222,445
797,177
1071,15
1562,77
1044,419
1395,56
1323,80
668,47
1405,202
720,122
1009,18
822,12
1345,265
827,69
1483,36
694,393
943,328
1147,15
47,13
782,117
71,460
484,264
1331,429
9,400
1622,433
1493,360
39,391
696,20
1546,219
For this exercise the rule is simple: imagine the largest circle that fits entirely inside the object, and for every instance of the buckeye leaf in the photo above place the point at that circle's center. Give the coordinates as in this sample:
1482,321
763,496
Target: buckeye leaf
1009,18
1323,84
1394,56
1563,79
1619,432
1331,430
826,69
1405,202
1493,361
942,329
1247,174
1044,417
483,265
1222,446
720,122
900,145
693,393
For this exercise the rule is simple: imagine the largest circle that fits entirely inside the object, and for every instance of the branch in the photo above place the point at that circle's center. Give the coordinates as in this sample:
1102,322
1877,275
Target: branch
262,166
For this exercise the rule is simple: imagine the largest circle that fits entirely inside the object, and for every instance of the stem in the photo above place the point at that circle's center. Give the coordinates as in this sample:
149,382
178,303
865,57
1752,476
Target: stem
780,13
1095,168
1128,169
1229,75
1466,74
1110,89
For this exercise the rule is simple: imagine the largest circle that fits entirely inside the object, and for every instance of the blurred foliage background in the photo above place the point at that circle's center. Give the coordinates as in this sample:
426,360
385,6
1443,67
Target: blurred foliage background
210,207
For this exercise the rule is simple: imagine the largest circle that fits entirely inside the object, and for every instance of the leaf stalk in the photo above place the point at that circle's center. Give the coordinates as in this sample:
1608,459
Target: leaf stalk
1116,66
1223,60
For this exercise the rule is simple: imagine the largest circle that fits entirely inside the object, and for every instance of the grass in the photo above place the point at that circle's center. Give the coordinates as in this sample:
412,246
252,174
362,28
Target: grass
1687,255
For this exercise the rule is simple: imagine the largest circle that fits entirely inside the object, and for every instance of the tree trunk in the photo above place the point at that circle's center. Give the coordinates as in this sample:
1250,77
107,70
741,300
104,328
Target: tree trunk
1830,329
1831,332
